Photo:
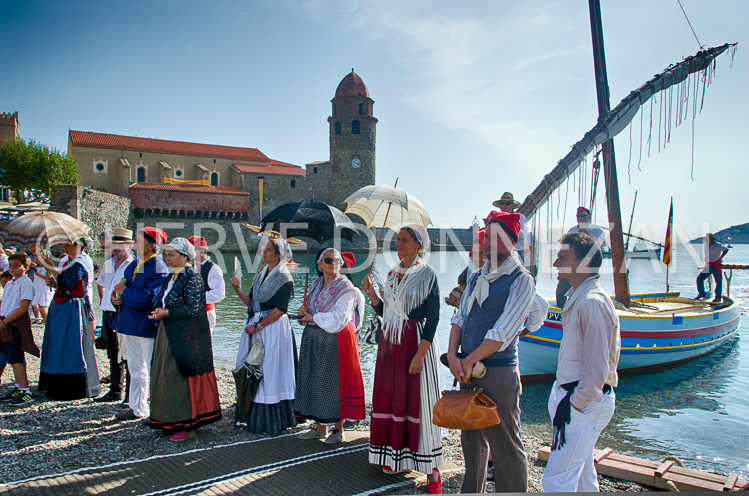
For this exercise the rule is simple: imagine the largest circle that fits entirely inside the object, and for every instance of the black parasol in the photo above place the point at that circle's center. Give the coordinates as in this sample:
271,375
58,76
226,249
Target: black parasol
322,221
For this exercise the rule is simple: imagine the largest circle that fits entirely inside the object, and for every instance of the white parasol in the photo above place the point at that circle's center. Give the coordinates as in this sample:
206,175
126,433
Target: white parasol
387,206
45,227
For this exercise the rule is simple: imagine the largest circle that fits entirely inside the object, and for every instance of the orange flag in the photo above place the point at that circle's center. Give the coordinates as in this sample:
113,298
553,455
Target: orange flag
668,250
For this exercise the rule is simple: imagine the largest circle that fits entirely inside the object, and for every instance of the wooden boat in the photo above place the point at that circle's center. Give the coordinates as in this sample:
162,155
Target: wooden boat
658,329
668,475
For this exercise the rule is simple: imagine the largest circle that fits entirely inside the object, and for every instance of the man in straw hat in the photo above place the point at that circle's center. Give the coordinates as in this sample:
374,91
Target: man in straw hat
120,244
507,203
212,275
135,297
486,326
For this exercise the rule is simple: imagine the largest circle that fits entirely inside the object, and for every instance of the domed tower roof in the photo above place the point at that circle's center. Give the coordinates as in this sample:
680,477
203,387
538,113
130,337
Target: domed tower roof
352,85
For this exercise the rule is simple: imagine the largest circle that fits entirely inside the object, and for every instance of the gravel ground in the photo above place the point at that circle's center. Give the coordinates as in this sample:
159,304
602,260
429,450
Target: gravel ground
48,437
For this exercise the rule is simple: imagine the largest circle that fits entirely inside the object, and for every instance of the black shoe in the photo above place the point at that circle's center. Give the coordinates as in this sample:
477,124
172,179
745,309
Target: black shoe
490,474
146,421
108,398
718,299
349,425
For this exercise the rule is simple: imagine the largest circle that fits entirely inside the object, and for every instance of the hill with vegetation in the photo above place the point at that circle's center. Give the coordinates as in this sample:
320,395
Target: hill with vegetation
735,235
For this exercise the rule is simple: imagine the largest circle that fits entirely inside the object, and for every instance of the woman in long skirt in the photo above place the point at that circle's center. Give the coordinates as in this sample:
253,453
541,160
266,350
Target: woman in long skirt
184,391
407,381
68,365
330,388
273,407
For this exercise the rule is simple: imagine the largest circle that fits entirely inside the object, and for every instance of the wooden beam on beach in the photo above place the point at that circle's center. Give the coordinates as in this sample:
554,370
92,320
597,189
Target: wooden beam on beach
657,475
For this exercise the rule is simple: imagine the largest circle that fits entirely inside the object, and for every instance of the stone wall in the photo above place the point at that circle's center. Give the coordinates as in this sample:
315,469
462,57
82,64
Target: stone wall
97,209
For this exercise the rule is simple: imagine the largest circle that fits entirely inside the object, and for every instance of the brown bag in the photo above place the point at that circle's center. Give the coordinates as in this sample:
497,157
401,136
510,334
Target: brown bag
466,409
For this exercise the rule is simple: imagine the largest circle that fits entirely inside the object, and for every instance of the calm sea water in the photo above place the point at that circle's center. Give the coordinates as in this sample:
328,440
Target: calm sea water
695,411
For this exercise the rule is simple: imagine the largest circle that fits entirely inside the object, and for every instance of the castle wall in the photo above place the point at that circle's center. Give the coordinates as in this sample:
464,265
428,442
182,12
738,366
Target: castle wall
9,126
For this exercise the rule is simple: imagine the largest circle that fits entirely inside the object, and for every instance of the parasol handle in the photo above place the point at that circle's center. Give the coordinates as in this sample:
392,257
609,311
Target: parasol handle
306,272
382,231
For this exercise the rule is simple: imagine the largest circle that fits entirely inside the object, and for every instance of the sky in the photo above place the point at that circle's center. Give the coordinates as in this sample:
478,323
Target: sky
473,98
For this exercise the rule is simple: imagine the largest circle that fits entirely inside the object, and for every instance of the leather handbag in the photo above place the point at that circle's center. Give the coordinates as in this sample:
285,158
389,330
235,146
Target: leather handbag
466,409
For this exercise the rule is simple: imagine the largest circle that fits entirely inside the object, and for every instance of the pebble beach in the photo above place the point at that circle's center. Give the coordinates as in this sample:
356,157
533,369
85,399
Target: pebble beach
48,437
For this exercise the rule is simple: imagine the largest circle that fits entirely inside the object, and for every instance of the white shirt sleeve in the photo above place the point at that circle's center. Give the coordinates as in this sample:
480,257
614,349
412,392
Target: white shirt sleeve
216,282
27,290
510,323
334,321
537,315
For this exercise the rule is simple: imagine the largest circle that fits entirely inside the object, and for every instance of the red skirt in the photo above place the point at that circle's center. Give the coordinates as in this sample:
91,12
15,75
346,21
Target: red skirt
396,393
350,382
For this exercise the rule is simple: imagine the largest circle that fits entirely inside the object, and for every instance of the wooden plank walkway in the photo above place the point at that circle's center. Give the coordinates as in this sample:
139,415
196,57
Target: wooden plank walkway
276,465
658,475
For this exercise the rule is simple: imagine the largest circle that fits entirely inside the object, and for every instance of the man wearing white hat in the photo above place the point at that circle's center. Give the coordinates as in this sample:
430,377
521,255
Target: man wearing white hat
112,272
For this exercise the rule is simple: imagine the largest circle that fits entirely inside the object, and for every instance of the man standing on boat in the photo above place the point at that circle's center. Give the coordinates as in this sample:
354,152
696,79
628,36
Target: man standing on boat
583,226
212,275
715,253
582,398
486,326
507,203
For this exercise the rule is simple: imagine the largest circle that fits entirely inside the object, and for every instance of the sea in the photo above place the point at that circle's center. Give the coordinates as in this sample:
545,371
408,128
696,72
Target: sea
695,411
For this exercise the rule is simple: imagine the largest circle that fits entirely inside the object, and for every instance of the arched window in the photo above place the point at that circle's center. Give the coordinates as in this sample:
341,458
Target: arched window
335,109
354,127
361,109
141,175
214,178
337,127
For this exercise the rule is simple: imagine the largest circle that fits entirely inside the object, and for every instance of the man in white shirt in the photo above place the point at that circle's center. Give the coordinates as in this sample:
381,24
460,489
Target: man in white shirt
714,266
212,275
494,306
582,398
583,226
112,272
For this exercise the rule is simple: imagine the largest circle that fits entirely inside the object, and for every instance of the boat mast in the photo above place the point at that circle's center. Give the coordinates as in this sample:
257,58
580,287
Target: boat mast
631,218
621,285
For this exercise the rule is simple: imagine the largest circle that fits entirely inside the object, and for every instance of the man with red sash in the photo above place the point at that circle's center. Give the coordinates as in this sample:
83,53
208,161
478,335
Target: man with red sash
213,277
714,258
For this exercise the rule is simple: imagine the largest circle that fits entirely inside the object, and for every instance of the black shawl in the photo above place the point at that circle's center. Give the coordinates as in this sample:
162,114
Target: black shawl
187,324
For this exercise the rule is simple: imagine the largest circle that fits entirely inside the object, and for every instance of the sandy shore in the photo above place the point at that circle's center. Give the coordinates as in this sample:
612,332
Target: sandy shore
49,437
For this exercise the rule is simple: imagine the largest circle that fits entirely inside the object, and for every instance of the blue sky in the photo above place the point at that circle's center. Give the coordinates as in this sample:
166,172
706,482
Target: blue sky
473,98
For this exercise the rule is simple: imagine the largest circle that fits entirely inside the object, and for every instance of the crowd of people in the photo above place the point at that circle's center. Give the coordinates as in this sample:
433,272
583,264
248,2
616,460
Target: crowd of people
157,301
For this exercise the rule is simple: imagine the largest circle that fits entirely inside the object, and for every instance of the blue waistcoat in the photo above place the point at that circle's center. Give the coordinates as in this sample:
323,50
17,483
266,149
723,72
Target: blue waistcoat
482,318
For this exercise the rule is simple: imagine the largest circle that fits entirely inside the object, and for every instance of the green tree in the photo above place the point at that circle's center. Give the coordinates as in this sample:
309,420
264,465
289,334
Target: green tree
33,170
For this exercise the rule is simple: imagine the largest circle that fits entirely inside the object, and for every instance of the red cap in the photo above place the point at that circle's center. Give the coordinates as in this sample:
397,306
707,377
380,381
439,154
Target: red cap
509,221
582,211
156,235
349,258
198,242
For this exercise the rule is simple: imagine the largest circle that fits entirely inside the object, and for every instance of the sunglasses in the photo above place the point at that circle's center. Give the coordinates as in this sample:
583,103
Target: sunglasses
582,216
329,260
505,202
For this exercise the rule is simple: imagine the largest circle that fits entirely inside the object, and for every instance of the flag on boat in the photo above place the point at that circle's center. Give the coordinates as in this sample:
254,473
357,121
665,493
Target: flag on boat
667,250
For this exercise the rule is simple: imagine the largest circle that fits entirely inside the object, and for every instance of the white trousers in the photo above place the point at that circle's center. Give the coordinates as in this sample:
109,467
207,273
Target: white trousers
571,468
139,354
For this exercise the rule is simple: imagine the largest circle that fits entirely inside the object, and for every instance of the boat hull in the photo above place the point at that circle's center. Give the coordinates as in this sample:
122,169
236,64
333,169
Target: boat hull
647,341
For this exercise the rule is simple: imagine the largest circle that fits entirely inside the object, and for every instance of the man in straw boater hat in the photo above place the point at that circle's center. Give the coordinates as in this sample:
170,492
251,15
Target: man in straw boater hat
212,275
507,203
112,271
486,326
582,399
135,296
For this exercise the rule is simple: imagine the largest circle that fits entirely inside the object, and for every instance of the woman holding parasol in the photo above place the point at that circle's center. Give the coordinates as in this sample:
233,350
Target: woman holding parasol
267,323
68,366
407,379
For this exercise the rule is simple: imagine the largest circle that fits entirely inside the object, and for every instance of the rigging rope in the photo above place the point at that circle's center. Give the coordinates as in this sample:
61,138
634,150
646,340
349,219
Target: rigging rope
690,26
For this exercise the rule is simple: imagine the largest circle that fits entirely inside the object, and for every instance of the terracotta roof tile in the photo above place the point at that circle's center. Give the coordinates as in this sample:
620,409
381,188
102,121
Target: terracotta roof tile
191,188
275,168
100,140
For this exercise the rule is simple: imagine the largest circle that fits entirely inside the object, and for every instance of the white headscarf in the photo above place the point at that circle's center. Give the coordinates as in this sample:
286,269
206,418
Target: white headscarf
421,234
284,249
181,245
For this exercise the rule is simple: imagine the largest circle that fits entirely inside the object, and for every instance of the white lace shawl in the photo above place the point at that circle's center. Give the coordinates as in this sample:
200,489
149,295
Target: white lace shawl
402,297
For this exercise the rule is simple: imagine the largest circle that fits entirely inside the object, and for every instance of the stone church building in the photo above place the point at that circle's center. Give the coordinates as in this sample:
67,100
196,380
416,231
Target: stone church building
179,179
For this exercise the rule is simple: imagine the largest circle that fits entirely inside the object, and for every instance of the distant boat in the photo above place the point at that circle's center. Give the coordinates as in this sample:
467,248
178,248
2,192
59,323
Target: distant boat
637,253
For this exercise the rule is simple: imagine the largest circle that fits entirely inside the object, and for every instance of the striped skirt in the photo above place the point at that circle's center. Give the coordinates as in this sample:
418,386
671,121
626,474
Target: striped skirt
402,434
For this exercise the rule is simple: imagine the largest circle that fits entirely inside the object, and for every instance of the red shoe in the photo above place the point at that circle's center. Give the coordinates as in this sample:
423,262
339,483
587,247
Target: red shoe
435,487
